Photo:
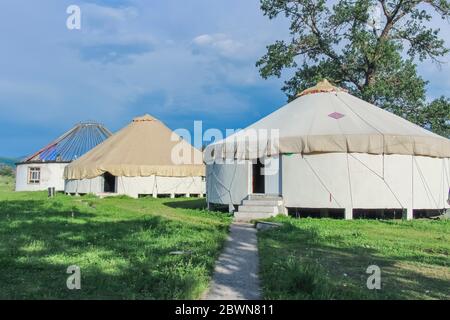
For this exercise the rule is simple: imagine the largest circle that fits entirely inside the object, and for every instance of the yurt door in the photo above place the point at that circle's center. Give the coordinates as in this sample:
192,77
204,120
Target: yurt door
258,177
110,183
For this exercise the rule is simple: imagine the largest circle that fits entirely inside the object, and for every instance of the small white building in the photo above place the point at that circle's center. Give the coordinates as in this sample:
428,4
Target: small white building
330,151
145,158
45,168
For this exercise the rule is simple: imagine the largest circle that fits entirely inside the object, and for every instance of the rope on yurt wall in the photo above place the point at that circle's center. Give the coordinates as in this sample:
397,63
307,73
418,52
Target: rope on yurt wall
349,180
383,159
219,192
441,185
348,165
123,185
223,185
370,169
362,118
321,182
445,185
368,123
425,184
381,178
446,168
383,155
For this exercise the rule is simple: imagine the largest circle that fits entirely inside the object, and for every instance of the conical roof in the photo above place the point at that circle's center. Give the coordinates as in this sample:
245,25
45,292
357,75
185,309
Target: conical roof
322,86
326,119
143,148
72,144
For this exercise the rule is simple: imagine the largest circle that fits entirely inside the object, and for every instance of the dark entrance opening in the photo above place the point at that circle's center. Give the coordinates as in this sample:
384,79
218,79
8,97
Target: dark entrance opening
258,177
110,183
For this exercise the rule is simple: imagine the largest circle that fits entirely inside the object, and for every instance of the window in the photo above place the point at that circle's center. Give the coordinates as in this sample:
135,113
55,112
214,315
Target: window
34,175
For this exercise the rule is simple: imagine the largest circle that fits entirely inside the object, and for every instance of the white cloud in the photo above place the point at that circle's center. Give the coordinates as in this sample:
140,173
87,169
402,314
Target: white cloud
127,60
204,39
107,15
220,42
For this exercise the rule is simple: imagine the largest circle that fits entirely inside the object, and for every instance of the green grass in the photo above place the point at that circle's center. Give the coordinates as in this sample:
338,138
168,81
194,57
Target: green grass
328,259
122,246
6,185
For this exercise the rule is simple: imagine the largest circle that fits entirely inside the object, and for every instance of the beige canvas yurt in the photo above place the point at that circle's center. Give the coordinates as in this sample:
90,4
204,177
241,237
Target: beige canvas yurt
328,151
144,158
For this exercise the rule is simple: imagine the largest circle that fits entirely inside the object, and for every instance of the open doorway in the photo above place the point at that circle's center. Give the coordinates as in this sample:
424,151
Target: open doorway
258,177
109,183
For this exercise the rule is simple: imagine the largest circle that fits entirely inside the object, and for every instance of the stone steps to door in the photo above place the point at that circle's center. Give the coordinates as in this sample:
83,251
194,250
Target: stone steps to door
265,209
264,196
260,206
262,202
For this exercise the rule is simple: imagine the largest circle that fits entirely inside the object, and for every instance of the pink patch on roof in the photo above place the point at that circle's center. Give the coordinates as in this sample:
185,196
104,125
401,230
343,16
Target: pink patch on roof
336,115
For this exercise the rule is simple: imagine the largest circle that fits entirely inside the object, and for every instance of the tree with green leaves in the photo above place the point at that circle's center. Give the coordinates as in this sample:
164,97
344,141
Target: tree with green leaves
368,47
6,171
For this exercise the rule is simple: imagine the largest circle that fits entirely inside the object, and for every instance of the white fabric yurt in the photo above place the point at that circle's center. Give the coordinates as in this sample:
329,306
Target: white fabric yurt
44,169
330,150
144,158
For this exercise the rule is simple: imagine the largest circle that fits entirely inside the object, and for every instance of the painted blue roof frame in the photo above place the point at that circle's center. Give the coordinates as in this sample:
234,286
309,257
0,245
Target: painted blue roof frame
72,144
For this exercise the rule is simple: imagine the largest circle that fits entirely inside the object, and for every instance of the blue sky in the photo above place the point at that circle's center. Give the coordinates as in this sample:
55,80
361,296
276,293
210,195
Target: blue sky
177,60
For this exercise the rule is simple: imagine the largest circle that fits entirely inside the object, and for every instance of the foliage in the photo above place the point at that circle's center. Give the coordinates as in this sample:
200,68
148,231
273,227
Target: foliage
8,161
328,259
354,48
436,116
6,171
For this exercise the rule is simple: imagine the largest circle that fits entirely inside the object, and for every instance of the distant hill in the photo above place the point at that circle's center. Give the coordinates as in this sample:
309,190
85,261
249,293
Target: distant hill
10,162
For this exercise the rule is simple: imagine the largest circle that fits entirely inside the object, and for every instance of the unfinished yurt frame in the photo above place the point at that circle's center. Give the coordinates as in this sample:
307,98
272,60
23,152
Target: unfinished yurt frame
45,168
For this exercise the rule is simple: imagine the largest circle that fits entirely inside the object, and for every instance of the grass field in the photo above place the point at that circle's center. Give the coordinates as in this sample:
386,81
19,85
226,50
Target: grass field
328,259
122,246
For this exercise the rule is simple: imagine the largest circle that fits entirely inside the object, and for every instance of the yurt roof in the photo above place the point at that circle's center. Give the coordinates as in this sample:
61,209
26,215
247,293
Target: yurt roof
325,119
145,147
72,144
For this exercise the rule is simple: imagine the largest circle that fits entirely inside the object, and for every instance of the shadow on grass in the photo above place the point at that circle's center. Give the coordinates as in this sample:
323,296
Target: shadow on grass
27,209
199,204
308,265
119,258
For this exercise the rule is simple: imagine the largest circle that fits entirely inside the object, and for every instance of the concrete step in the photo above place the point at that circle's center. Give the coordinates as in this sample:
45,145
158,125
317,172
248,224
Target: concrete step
260,206
249,216
270,209
262,202
264,196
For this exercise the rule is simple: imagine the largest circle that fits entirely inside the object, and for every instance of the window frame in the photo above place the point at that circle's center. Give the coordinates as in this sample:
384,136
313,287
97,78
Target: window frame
33,180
